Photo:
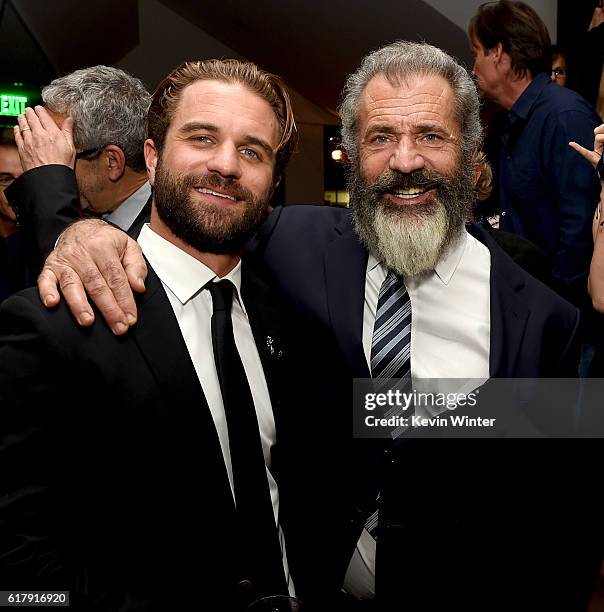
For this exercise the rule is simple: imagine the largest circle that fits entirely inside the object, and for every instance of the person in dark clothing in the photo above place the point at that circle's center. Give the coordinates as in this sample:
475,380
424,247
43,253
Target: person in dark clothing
14,269
547,193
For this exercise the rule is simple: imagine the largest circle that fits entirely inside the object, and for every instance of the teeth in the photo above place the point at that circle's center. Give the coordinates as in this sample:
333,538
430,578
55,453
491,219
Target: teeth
408,193
215,193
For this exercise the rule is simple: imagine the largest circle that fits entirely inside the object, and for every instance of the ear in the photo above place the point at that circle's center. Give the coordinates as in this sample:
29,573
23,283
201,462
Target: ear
502,60
151,157
276,183
115,162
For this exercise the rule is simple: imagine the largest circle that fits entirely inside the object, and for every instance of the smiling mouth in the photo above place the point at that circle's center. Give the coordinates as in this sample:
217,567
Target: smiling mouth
410,194
218,194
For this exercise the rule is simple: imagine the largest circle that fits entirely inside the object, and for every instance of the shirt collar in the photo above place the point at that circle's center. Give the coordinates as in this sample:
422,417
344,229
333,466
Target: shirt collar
523,105
446,265
184,275
127,212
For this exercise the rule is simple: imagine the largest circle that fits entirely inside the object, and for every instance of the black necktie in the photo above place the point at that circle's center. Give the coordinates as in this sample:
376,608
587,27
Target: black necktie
261,551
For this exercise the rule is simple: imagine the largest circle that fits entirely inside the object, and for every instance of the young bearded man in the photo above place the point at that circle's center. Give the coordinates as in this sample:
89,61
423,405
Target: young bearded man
158,491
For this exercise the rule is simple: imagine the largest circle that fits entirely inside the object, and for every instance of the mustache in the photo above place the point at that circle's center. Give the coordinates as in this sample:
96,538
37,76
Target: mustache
418,179
214,181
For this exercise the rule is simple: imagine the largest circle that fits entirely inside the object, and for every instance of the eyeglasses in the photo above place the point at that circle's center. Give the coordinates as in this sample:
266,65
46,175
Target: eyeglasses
6,180
558,72
600,168
90,153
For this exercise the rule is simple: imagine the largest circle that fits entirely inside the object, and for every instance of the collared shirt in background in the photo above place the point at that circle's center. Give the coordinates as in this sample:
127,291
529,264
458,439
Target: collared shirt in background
127,212
547,191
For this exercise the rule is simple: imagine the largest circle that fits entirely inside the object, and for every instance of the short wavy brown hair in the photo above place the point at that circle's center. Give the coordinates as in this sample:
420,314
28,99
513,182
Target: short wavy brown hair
484,181
268,86
519,29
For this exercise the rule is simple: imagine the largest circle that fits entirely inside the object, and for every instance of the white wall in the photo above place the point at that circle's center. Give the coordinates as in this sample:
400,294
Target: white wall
166,40
461,11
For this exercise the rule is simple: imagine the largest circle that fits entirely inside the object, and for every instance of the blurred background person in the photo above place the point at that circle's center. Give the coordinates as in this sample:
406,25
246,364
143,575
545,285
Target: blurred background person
528,256
13,263
596,271
546,192
10,170
108,108
559,65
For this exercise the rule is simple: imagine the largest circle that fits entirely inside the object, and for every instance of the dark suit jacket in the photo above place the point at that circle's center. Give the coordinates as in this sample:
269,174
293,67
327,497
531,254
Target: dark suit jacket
113,481
46,200
470,524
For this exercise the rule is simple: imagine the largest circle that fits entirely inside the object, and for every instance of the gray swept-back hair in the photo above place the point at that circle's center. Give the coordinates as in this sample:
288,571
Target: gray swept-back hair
108,105
399,62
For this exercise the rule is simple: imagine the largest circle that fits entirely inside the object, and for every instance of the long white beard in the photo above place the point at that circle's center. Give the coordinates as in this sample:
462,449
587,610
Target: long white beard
411,245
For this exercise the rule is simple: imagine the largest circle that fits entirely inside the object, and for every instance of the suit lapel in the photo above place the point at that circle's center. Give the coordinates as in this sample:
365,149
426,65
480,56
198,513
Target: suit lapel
509,312
160,341
345,271
266,322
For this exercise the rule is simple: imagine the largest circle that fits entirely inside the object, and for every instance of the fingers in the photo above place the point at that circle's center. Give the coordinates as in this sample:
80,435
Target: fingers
89,257
54,273
24,129
599,144
18,138
67,129
590,156
134,265
47,288
44,119
32,120
102,285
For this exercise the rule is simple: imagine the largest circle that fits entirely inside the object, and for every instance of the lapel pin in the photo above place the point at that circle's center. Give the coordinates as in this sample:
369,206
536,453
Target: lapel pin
273,348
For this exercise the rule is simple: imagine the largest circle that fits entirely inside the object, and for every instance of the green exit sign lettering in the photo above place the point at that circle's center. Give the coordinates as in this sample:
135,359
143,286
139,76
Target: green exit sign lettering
11,105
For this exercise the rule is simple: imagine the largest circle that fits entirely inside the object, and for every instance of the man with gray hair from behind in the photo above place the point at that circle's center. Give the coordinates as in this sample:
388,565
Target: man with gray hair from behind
94,120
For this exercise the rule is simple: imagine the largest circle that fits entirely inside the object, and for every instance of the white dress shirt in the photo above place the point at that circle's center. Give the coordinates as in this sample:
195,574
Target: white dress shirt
127,212
450,338
183,277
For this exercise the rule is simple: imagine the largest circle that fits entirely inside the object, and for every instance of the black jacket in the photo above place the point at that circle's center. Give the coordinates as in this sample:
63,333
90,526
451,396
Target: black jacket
114,486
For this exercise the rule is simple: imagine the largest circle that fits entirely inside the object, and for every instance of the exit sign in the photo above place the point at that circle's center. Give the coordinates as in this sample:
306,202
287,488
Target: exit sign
11,105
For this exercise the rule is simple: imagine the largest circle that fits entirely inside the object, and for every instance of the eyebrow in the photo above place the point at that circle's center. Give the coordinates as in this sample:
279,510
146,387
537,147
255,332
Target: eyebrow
420,128
380,127
195,126
424,128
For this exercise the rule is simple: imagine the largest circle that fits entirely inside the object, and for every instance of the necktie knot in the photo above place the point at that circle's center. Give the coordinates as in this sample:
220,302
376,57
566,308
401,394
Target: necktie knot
222,294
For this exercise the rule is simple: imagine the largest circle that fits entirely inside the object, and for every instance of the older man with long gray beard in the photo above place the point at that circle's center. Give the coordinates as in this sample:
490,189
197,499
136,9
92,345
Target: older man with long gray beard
401,287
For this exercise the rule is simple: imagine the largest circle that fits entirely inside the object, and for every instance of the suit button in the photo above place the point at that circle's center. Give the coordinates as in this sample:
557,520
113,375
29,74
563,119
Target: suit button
244,585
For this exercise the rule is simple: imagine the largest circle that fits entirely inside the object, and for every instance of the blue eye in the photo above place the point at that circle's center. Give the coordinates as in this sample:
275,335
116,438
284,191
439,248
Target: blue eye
380,139
432,139
250,154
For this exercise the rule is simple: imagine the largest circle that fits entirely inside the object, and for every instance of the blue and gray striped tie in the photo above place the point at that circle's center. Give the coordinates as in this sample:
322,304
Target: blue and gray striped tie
391,342
391,346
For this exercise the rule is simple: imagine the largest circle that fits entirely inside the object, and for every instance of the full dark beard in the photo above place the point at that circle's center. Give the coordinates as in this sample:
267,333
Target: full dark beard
208,228
446,211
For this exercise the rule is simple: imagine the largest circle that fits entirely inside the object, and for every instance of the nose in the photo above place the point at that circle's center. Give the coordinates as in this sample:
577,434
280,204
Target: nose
225,160
406,157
